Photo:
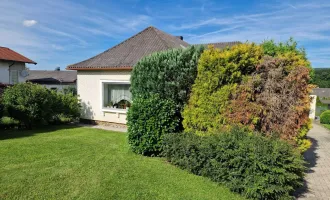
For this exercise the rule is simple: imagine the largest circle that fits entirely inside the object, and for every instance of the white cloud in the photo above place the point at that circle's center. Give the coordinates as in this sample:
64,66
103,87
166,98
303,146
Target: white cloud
29,23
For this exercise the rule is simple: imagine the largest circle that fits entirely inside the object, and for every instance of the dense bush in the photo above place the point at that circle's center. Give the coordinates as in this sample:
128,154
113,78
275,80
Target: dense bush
33,104
169,75
149,119
325,117
255,166
28,103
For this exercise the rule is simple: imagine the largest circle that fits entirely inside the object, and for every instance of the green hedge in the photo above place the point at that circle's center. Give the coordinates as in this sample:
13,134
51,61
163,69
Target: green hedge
170,74
160,85
325,117
148,121
254,166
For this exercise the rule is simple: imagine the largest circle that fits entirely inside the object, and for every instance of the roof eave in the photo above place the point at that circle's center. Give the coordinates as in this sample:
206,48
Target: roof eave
29,62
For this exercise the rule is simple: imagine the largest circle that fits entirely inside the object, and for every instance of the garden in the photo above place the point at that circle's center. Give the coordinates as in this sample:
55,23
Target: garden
205,123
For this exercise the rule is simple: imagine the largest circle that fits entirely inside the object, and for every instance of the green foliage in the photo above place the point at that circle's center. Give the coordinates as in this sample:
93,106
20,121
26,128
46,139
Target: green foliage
70,90
322,77
149,119
67,107
33,104
8,123
325,117
303,143
170,74
290,50
218,73
252,165
28,103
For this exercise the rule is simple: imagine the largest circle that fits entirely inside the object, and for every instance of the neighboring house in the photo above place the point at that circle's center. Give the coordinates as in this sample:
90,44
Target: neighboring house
103,81
12,66
55,80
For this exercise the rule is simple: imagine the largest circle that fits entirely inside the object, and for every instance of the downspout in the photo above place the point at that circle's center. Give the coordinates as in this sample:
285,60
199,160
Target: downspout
9,70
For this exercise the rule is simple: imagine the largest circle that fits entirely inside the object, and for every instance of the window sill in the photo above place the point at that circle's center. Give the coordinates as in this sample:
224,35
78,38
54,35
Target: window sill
114,110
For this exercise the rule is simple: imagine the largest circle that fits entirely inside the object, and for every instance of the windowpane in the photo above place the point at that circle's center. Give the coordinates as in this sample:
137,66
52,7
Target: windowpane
116,95
13,76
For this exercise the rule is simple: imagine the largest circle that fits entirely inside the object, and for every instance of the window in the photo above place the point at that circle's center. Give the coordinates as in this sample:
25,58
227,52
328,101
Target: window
116,95
13,76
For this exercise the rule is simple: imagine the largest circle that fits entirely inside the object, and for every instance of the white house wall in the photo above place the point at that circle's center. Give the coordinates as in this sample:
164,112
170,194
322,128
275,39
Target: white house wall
90,92
4,72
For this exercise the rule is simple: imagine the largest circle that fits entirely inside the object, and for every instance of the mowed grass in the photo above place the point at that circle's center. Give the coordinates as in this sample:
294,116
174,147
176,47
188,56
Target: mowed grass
83,163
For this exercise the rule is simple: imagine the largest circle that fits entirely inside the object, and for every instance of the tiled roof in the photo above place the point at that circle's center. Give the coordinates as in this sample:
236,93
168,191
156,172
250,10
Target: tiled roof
52,76
126,54
10,55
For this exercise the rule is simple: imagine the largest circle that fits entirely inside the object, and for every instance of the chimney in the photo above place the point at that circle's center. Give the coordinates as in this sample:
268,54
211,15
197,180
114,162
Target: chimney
180,37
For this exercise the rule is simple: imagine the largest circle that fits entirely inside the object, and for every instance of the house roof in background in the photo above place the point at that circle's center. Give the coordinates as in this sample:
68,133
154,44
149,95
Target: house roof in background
127,53
52,76
10,55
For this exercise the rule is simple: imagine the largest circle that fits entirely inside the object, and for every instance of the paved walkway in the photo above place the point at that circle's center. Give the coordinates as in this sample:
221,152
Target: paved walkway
107,127
317,185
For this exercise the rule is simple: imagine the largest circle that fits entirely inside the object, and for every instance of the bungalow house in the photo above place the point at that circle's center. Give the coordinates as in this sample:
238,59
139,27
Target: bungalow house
103,81
12,66
54,80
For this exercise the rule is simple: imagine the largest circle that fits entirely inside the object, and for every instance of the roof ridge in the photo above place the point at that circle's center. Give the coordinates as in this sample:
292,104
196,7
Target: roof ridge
155,30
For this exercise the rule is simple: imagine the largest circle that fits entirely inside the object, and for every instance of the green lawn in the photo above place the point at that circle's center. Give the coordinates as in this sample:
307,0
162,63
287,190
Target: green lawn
84,163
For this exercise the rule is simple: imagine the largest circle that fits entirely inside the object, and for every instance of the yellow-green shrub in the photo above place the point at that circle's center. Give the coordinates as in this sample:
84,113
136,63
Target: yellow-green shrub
218,73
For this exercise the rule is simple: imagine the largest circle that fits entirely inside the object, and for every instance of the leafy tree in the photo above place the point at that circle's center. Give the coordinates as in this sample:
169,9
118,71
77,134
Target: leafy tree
322,78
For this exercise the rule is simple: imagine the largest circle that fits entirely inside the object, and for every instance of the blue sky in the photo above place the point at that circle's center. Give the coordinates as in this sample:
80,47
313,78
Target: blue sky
56,33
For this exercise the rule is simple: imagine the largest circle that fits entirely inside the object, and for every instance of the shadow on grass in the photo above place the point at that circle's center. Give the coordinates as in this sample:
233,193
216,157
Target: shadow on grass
20,133
311,158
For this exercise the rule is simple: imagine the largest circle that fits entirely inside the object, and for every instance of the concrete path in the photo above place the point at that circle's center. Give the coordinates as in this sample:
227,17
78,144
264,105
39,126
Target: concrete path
107,127
317,185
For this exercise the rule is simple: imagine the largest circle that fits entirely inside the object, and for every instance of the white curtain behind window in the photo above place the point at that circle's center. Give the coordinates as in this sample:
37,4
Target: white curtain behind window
119,92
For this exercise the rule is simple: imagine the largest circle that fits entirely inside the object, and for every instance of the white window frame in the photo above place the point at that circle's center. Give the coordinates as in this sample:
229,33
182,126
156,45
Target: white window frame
112,110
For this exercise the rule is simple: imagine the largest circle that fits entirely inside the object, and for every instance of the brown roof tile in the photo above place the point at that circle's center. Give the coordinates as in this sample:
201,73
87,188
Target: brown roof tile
10,55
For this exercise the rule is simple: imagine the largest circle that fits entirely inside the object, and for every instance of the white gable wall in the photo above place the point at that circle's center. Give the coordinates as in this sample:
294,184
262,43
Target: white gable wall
89,90
4,71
